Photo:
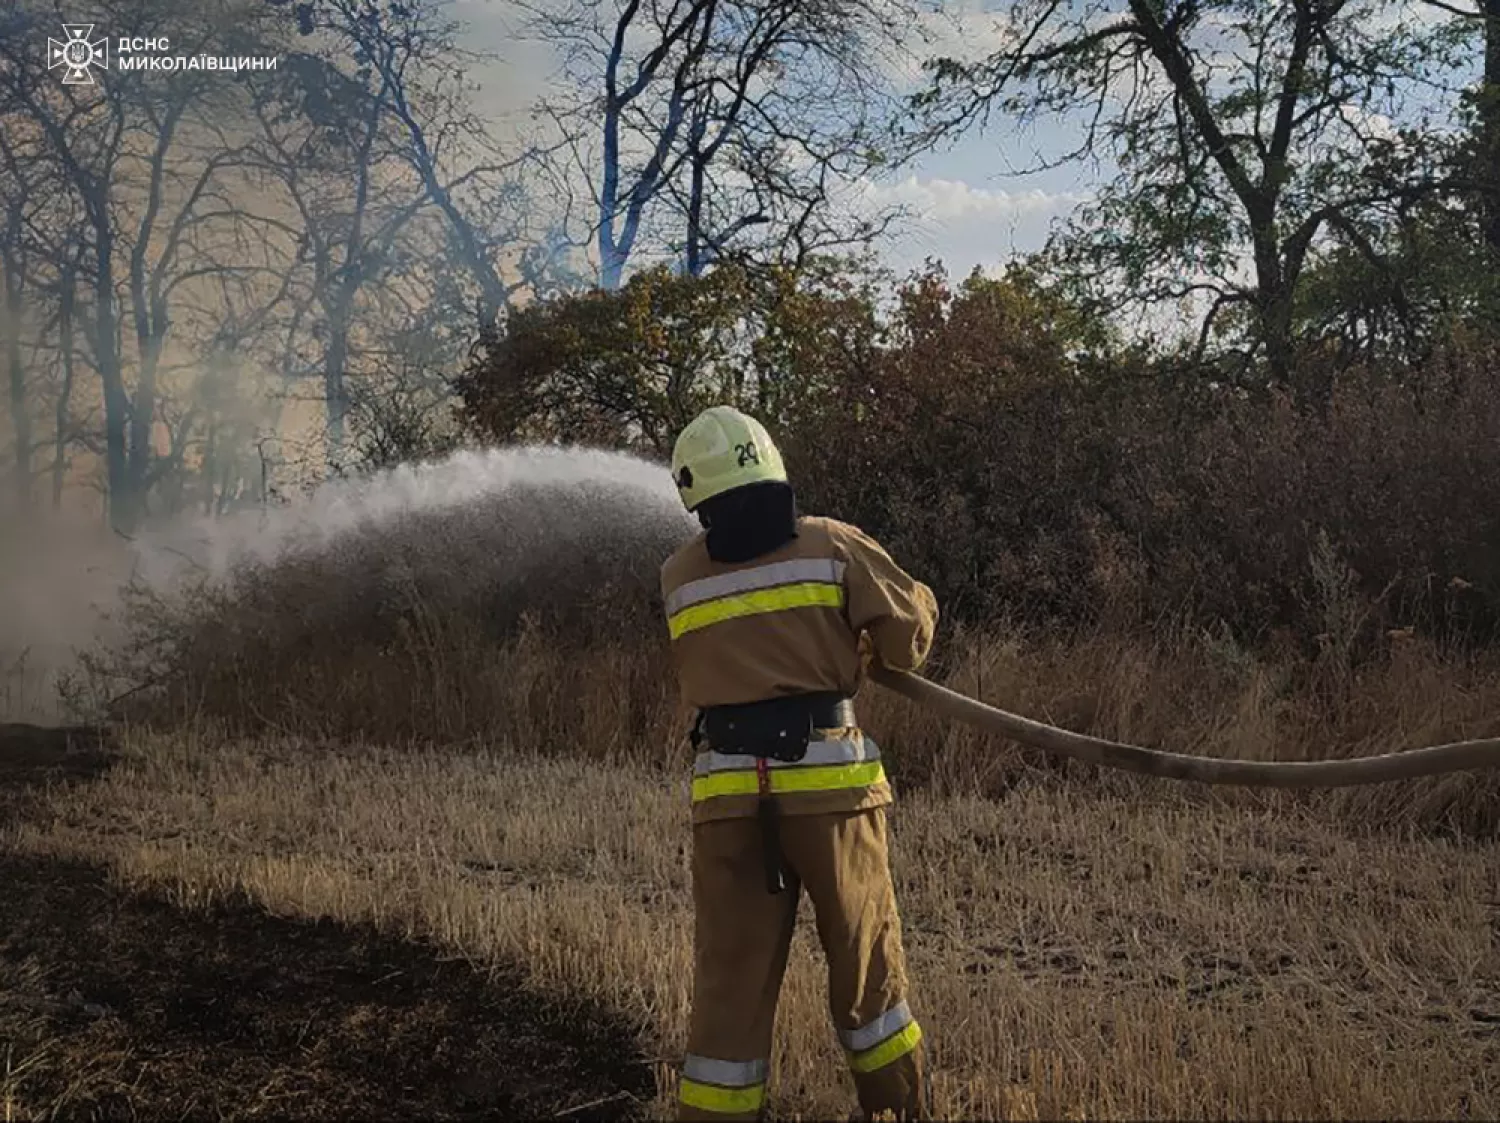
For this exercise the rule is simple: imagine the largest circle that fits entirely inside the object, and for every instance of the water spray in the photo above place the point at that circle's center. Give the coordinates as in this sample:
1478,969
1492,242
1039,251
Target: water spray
505,509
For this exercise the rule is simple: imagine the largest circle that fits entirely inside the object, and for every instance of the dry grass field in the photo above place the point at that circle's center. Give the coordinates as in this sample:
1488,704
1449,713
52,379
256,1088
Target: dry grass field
1082,946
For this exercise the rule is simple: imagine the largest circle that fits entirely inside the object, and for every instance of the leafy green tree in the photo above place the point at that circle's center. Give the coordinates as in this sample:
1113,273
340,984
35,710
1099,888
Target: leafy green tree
1481,108
1243,131
1433,279
1431,275
621,368
628,367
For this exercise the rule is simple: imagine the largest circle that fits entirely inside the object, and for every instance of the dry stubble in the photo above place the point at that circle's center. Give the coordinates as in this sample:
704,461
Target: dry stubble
1083,952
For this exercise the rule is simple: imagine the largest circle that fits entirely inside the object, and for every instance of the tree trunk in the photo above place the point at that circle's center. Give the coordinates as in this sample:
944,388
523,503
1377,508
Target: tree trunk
208,468
67,296
1489,124
123,509
1273,302
335,389
695,255
19,412
143,419
611,259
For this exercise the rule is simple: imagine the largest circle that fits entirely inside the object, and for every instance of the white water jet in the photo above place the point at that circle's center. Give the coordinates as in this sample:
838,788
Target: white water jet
523,500
477,532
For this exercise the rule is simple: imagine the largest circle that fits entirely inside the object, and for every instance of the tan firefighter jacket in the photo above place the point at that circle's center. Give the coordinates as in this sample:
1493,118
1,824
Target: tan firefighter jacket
796,620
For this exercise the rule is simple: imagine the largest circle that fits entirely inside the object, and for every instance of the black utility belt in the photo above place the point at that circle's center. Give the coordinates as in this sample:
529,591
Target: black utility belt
779,728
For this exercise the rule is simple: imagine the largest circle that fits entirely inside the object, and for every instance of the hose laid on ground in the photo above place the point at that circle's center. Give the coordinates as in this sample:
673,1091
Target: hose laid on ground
1458,756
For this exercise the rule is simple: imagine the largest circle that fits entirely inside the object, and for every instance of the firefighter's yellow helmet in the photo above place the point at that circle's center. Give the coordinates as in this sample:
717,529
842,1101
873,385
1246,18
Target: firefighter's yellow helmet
721,449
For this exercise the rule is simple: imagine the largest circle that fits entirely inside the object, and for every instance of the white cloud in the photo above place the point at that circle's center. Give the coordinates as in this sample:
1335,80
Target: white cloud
963,225
1366,123
961,29
954,200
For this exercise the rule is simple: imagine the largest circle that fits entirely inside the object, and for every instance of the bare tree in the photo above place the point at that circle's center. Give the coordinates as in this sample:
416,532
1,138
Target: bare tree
723,125
83,135
327,142
787,105
411,61
63,428
23,195
322,209
144,155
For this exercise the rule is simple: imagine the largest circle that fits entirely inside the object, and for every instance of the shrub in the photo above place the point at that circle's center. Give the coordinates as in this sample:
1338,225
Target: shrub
1028,467
387,616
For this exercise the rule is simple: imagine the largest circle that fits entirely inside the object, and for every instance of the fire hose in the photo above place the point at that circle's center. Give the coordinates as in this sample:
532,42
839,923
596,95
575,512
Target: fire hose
1435,760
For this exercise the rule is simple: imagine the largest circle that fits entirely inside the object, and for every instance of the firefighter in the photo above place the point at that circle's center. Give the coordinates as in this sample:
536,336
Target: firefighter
772,616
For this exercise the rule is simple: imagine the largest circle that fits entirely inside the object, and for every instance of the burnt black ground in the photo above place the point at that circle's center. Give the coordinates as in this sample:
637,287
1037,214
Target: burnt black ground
115,1004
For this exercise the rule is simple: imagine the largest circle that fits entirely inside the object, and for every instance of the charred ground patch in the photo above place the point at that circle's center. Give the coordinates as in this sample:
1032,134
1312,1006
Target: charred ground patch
31,755
120,1004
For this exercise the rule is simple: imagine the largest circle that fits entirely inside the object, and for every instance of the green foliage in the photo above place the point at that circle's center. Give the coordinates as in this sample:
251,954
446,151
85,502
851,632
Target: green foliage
1433,278
615,369
1249,137
627,368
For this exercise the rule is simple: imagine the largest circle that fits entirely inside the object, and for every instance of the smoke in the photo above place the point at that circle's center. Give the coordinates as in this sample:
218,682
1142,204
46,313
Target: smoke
59,582
487,533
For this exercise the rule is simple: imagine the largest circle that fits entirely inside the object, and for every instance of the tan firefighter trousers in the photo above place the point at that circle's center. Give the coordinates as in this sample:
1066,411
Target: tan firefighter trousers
742,937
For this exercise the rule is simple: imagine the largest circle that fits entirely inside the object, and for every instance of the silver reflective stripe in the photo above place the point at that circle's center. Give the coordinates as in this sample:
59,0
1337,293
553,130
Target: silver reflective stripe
848,750
897,1018
726,1074
760,577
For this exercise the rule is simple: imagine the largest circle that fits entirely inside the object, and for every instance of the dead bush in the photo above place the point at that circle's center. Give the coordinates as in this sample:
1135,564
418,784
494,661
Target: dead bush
422,624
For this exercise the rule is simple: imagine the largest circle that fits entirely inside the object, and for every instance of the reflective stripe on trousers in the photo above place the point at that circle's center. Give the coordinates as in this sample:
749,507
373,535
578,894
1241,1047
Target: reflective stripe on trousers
852,762
742,940
882,1041
726,1087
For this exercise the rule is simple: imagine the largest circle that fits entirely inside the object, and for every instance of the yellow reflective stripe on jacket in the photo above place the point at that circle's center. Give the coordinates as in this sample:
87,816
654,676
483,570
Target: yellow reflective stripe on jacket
890,1050
783,780
807,594
726,1101
793,571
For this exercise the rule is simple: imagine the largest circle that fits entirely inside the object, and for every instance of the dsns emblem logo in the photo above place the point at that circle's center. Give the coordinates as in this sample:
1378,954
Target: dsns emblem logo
78,54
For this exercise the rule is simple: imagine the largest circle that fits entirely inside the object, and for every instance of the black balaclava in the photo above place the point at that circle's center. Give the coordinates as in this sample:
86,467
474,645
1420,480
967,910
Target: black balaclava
749,521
